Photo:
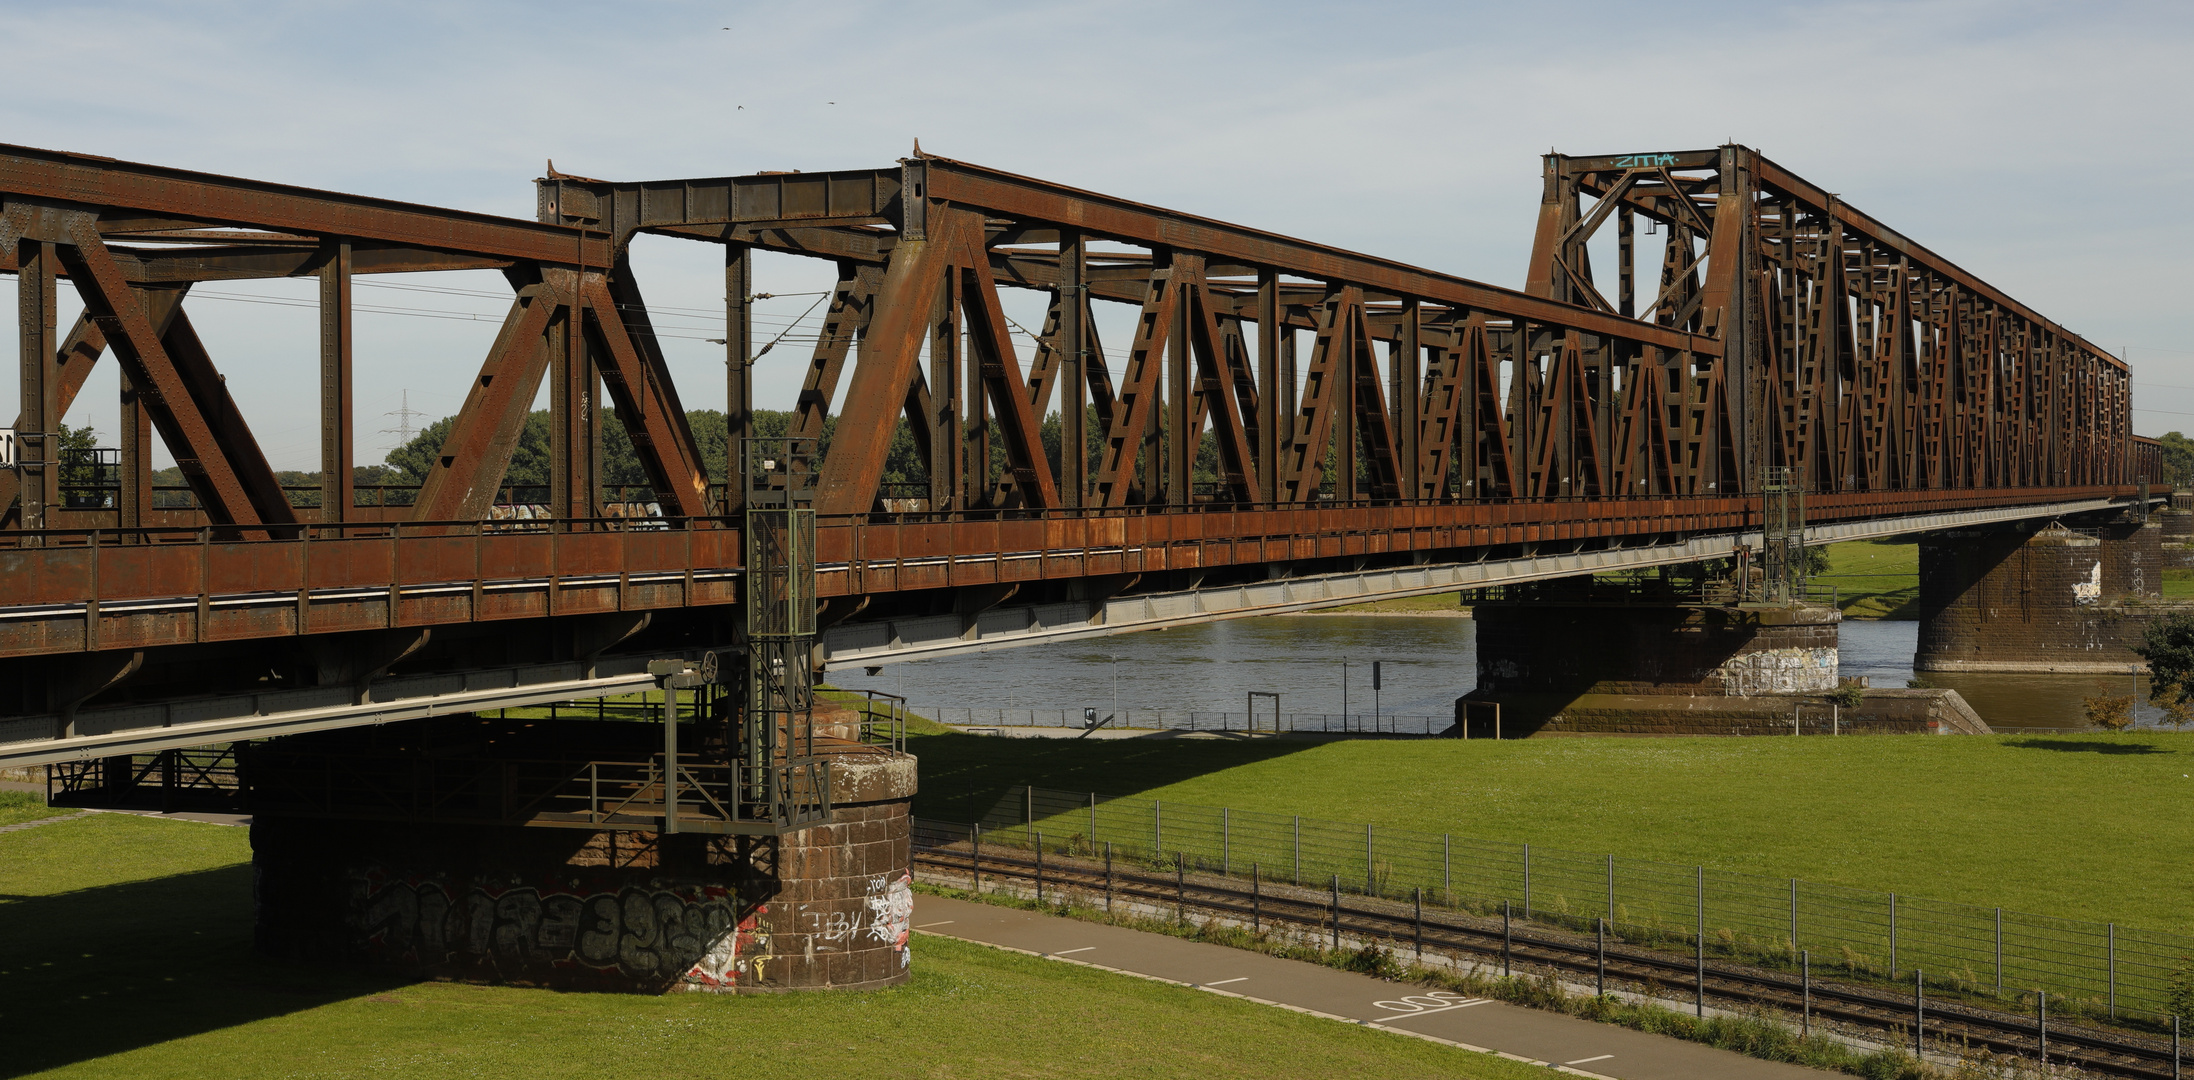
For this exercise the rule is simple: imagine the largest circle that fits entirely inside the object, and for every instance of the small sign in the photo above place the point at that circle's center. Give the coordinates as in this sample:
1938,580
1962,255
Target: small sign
1374,674
7,448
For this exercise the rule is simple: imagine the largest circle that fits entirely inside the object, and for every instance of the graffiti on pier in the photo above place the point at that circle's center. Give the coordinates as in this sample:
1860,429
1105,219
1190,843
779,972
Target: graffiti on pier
631,935
891,913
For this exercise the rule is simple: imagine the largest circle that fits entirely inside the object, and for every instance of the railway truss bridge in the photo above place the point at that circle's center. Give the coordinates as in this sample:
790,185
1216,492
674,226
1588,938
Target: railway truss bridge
1691,324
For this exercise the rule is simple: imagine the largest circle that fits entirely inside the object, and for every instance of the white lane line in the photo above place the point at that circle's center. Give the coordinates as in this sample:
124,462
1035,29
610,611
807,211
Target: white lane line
1223,982
1069,952
927,925
1581,1061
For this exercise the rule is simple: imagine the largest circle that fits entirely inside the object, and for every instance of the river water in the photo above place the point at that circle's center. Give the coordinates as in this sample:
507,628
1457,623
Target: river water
1315,662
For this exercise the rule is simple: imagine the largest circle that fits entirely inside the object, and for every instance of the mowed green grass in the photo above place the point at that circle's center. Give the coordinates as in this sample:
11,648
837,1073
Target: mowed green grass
2080,826
21,806
128,955
1874,579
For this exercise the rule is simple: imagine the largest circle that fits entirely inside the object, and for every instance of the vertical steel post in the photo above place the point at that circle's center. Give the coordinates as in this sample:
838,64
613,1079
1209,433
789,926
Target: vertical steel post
1892,935
1508,937
1226,842
1417,900
1073,377
2174,1046
2113,930
1805,989
1527,881
336,492
1336,911
1601,931
2041,1025
1157,826
1298,850
1919,1014
39,416
1611,889
979,863
670,757
1256,898
1270,415
1699,986
1180,888
1028,812
1999,952
1093,819
1108,877
738,359
1447,863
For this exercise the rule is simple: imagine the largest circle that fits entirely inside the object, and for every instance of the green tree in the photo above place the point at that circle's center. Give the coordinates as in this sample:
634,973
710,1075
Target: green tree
2168,647
2178,459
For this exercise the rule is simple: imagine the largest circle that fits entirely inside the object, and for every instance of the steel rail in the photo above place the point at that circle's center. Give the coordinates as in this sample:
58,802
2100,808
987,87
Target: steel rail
2110,1053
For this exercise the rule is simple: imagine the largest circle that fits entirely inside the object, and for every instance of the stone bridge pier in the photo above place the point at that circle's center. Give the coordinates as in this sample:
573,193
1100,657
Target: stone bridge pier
2067,599
443,850
1577,667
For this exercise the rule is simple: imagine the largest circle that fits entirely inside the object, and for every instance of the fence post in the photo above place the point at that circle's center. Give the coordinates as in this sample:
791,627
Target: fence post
1805,984
1527,881
1256,897
2041,1025
1226,842
1093,819
2174,1046
1793,914
1601,991
1371,884
1108,877
1892,935
1180,888
1039,869
1298,850
1507,936
1611,890
1999,952
1417,899
2113,970
978,858
1336,911
1028,811
1698,993
1919,1015
1157,827
1447,874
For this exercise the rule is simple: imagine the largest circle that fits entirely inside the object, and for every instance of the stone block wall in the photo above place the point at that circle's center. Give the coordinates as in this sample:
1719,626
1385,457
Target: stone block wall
576,909
1676,650
2054,600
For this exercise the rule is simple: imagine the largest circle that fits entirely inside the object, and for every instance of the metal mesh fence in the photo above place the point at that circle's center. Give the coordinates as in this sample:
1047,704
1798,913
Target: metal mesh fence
2086,968
1158,719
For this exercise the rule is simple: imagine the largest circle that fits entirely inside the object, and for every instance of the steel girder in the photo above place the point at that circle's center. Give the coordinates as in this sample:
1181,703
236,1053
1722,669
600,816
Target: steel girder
1857,358
132,238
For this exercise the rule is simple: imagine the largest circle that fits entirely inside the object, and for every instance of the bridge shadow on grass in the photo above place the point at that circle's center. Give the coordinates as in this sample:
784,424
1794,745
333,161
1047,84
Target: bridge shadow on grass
88,974
962,776
2088,746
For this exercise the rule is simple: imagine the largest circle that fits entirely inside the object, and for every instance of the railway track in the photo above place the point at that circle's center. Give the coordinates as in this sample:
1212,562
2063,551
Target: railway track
1537,949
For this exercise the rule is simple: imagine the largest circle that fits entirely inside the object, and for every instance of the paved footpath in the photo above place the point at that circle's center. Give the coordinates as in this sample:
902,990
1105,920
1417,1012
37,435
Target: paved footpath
1572,1045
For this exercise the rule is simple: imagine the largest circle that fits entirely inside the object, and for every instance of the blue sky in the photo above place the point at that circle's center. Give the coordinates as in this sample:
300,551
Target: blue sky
2044,147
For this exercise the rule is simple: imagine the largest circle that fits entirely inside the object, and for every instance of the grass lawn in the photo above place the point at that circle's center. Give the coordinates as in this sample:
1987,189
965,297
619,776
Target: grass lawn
2179,584
128,955
21,806
2081,826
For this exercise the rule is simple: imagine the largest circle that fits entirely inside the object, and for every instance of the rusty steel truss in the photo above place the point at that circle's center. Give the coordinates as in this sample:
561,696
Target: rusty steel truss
1359,408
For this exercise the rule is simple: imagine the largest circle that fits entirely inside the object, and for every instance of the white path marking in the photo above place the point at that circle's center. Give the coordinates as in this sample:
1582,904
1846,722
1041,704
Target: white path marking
1581,1061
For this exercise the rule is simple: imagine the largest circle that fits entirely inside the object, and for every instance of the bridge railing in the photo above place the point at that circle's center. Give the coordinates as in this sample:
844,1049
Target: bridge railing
1165,720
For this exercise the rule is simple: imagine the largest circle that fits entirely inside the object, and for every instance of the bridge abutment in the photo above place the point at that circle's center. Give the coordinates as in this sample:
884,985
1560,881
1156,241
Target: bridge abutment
485,885
1582,668
2066,600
